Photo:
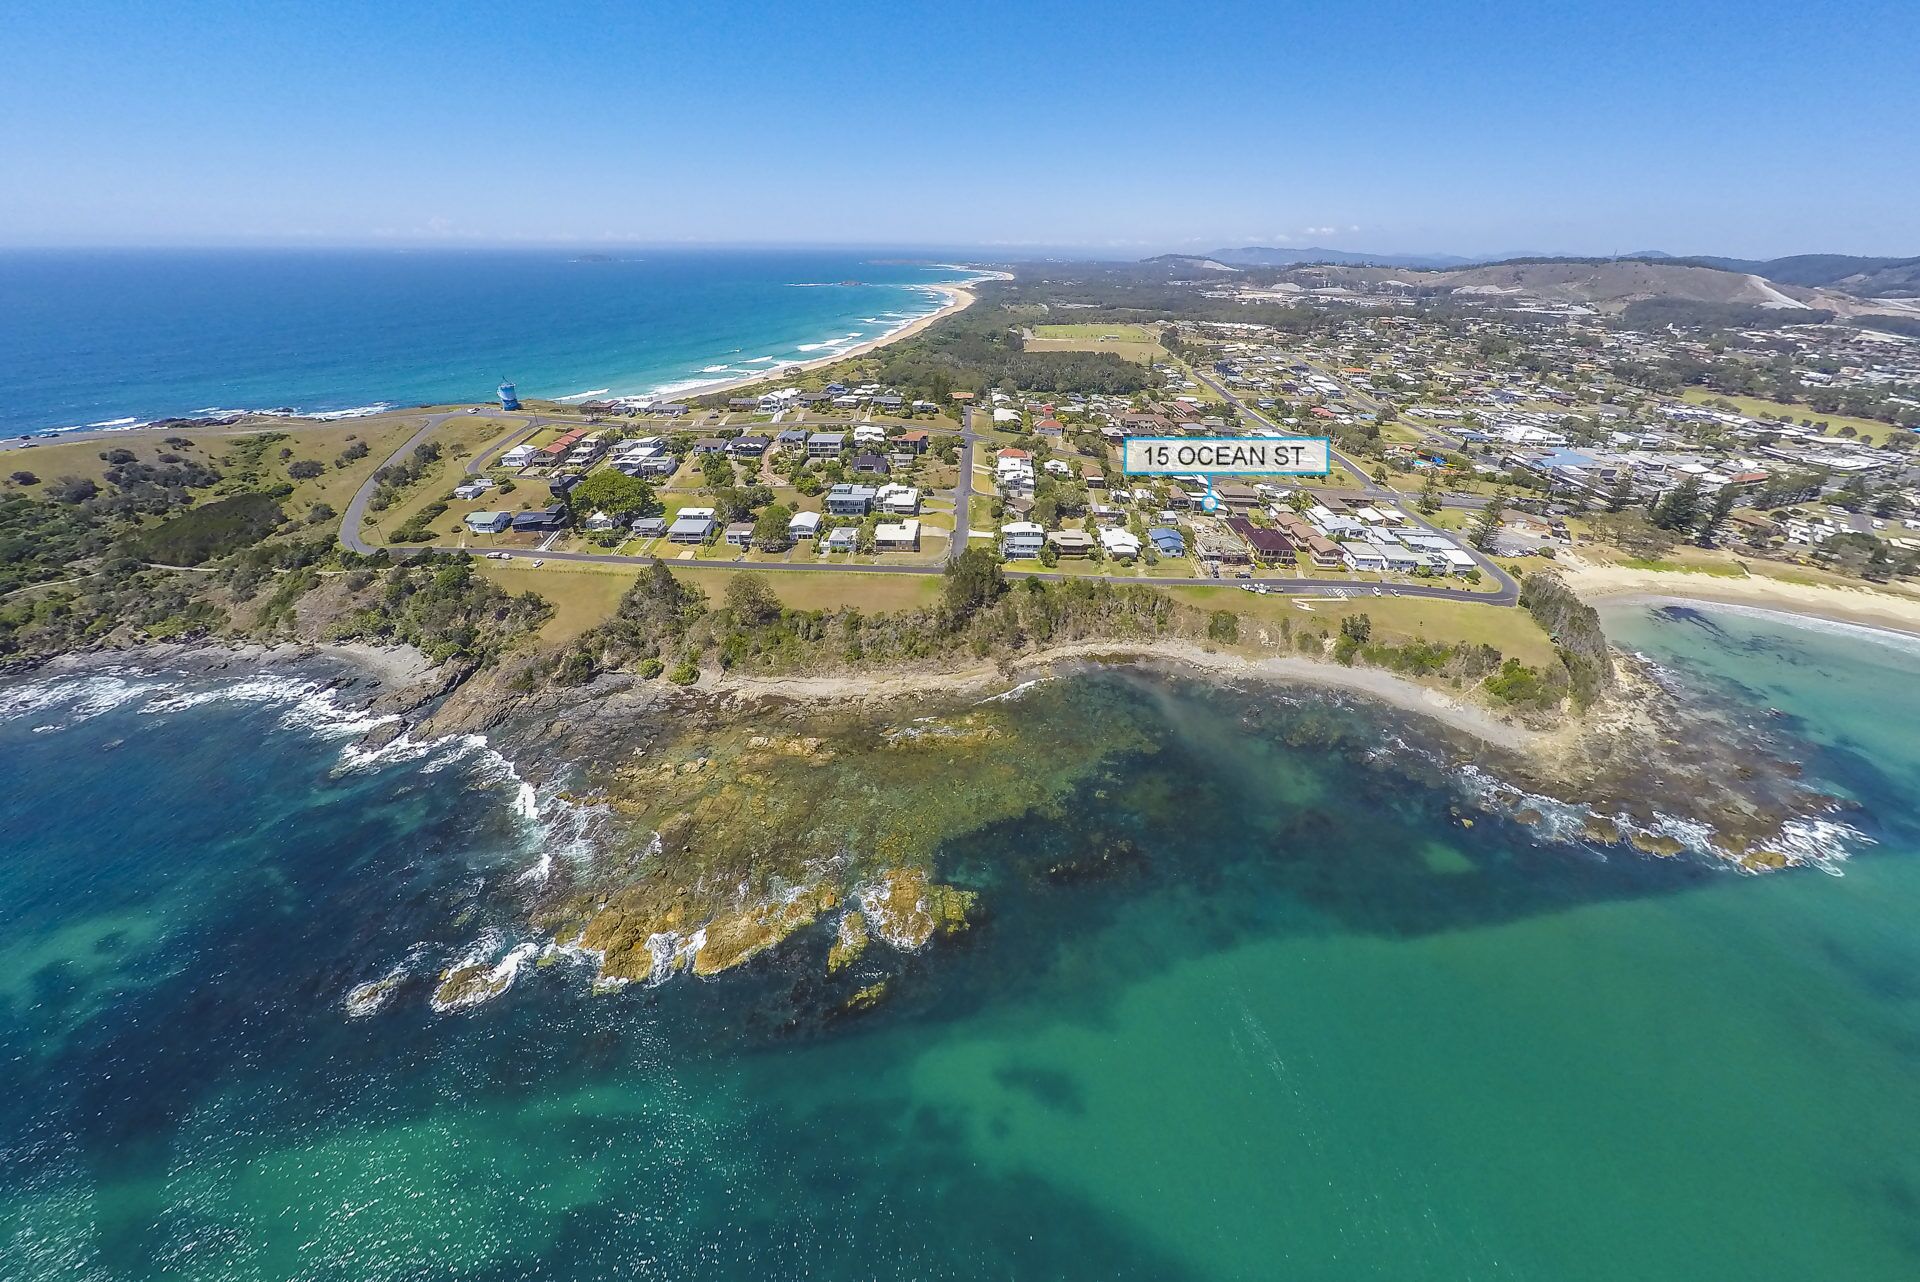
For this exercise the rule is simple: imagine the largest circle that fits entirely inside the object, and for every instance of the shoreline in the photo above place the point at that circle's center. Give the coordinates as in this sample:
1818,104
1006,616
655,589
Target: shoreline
1378,684
1882,611
958,297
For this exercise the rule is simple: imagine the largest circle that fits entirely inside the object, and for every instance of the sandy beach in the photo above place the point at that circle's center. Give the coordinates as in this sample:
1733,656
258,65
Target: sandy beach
1893,609
986,678
959,298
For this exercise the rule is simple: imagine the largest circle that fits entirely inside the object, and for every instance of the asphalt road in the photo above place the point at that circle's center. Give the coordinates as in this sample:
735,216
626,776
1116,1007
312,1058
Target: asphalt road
963,489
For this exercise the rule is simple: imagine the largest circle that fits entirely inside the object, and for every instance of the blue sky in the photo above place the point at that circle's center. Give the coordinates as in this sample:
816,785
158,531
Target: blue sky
1743,128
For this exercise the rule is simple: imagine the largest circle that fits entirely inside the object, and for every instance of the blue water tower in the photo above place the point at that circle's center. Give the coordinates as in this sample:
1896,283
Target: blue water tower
508,401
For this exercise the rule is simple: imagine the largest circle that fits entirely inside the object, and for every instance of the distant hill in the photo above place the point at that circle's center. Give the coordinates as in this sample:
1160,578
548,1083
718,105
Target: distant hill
1267,256
1852,274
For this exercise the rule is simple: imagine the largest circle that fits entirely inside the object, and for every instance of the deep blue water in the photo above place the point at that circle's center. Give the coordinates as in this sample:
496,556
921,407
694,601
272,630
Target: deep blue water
97,336
1318,1029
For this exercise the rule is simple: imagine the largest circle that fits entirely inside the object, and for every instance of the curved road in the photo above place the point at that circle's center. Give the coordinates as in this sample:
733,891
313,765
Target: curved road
1508,592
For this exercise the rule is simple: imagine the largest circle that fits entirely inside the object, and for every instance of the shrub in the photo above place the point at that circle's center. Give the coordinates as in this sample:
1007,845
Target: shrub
212,530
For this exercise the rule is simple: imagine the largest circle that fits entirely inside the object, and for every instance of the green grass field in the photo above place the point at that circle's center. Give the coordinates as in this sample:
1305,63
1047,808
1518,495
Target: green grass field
1395,619
1755,407
1132,342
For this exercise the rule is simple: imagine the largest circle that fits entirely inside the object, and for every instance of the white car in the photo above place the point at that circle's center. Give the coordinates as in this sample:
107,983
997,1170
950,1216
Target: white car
537,564
499,556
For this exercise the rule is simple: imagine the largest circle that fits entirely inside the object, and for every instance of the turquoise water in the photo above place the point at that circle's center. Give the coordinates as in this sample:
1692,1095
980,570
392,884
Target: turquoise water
104,337
1315,1029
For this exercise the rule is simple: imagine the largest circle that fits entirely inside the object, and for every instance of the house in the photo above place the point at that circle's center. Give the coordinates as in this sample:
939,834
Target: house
1401,559
901,500
542,518
869,434
749,446
892,404
600,521
844,539
740,534
488,522
1267,544
1093,476
518,457
745,404
851,500
559,485
871,465
1121,545
710,445
1168,541
901,536
1322,551
473,489
692,525
1237,498
826,444
649,527
794,438
1021,540
804,525
1071,542
1364,556
916,441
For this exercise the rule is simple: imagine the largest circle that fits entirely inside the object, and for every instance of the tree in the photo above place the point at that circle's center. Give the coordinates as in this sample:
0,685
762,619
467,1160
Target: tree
751,599
1487,528
1430,495
1723,501
615,493
1679,507
770,529
1223,626
973,579
1622,492
24,478
305,469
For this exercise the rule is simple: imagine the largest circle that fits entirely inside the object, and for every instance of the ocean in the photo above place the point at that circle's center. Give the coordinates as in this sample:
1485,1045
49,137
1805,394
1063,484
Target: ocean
1312,1026
104,338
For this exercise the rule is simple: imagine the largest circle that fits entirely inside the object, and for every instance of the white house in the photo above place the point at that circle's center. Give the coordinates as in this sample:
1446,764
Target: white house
900,500
804,525
1021,540
488,522
1364,556
902,536
1119,544
691,525
518,456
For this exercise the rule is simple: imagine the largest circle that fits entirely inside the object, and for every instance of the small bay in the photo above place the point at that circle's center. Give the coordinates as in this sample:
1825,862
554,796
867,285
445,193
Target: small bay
1251,1002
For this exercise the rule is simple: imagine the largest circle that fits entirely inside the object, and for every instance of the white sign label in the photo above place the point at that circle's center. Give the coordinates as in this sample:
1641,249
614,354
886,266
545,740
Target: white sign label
1236,455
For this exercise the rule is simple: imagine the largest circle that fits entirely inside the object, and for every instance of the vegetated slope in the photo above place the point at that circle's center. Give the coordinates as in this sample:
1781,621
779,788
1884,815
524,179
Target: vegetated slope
1611,284
1862,277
